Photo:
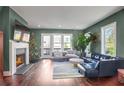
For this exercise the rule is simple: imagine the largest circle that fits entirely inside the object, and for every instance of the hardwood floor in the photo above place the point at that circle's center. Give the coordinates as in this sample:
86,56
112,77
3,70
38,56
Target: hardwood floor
41,74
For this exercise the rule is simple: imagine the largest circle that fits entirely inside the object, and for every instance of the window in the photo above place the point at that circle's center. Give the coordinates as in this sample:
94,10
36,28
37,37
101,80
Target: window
57,41
109,39
46,41
46,44
67,42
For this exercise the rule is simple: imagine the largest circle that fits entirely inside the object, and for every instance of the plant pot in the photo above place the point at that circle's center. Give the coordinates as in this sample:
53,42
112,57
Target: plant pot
35,60
83,54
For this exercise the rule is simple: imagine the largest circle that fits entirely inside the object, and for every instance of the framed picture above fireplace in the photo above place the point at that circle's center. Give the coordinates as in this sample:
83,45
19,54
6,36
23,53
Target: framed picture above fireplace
25,37
21,34
17,35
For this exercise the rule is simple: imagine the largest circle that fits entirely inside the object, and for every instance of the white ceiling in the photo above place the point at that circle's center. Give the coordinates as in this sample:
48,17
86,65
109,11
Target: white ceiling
64,17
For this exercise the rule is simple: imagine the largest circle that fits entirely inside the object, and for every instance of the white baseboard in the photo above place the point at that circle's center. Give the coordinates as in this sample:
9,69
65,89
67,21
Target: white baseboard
7,73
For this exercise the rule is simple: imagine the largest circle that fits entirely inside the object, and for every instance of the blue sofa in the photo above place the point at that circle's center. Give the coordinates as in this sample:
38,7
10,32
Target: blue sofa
100,65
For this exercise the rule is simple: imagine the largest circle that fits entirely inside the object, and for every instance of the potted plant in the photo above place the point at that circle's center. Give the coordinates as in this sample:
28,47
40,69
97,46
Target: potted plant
81,41
34,50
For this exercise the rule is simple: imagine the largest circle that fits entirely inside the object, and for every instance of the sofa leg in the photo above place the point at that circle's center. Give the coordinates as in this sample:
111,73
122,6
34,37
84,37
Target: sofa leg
93,80
89,80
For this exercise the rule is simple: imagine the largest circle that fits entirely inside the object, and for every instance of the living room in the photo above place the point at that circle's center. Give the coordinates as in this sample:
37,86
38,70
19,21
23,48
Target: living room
44,45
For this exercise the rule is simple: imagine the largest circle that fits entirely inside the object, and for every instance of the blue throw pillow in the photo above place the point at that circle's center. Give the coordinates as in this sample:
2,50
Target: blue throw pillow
97,57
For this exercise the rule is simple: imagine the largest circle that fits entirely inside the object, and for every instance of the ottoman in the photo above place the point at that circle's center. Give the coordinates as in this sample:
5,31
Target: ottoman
76,61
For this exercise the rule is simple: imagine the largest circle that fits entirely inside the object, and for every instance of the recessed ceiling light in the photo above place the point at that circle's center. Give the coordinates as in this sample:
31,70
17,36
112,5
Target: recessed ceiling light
39,25
77,26
59,25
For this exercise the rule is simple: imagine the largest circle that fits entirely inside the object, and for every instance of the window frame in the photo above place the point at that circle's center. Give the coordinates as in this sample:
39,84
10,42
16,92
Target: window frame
52,41
103,37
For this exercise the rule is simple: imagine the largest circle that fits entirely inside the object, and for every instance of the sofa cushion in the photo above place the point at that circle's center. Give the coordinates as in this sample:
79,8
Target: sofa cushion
105,57
97,57
91,65
88,66
118,58
71,56
94,61
70,51
89,60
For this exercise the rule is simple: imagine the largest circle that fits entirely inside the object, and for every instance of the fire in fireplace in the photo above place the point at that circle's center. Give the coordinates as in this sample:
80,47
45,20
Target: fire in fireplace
20,56
20,59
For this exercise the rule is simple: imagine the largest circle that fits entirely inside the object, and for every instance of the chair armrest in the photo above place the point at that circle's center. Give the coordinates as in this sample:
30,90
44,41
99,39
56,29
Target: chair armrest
120,64
80,67
107,68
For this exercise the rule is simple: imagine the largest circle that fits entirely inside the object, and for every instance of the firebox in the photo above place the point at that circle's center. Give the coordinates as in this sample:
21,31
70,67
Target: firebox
20,57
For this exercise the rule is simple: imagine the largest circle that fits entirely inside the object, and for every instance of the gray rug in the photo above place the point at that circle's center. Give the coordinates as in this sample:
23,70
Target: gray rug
65,70
23,69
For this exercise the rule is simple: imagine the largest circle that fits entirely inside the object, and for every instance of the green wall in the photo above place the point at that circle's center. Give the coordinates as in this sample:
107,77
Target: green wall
38,33
13,16
5,29
8,18
119,19
0,17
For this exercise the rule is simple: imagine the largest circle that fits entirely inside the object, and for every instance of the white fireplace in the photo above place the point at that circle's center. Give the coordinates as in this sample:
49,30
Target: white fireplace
12,55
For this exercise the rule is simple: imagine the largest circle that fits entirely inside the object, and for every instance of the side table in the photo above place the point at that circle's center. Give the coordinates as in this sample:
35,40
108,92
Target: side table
121,75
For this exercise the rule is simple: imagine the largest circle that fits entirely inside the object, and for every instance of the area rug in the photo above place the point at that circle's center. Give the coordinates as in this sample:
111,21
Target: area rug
62,70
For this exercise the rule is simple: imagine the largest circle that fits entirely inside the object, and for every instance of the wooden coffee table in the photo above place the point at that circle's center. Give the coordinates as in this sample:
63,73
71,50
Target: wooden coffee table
76,61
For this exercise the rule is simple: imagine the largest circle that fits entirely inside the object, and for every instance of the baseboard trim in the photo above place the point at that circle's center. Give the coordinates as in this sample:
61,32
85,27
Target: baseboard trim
7,73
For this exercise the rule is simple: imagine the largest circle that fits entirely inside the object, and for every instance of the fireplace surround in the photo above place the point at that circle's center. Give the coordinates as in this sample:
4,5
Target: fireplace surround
14,46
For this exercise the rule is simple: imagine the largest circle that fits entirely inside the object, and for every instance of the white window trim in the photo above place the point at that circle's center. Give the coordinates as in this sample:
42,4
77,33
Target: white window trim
103,38
51,37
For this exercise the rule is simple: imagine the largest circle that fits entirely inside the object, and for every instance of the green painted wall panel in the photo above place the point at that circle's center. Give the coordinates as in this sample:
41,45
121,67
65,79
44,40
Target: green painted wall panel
1,8
13,16
5,26
119,19
1,17
7,22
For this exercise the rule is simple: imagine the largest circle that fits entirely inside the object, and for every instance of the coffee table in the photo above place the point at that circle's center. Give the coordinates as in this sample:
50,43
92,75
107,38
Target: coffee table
76,61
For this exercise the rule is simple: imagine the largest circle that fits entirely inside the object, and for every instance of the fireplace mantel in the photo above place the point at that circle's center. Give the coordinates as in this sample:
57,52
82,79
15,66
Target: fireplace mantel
12,55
